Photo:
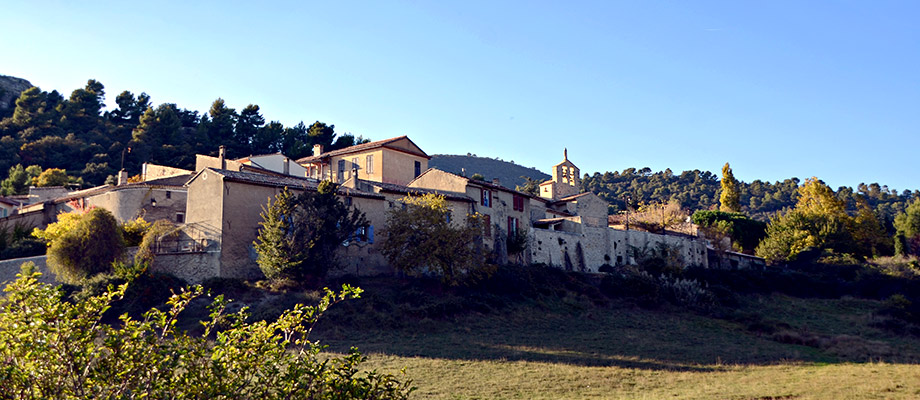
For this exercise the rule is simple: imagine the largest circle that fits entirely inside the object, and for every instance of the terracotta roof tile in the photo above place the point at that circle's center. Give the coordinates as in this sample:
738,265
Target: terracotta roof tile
281,181
394,188
354,149
483,183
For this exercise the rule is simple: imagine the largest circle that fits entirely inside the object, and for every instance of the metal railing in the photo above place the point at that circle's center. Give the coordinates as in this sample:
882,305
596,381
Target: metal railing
180,246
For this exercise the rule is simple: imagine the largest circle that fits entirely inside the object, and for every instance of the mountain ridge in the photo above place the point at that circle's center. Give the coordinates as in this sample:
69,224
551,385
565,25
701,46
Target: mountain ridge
508,173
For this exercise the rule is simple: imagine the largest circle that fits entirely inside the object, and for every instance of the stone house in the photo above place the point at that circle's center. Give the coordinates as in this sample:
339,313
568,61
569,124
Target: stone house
8,207
506,211
271,164
460,205
218,210
275,162
396,160
224,212
573,231
163,198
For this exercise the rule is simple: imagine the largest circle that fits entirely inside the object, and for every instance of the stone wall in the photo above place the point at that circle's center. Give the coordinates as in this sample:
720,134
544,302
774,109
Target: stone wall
129,202
190,267
599,246
9,269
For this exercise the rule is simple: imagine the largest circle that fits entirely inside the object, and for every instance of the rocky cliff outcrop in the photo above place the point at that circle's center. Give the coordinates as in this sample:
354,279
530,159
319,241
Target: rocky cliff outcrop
10,88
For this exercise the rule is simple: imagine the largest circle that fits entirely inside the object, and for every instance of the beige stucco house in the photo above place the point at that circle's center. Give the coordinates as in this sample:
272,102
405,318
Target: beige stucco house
396,160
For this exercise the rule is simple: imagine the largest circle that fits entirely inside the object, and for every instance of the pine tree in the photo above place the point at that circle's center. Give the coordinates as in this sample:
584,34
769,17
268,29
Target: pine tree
274,247
730,198
300,235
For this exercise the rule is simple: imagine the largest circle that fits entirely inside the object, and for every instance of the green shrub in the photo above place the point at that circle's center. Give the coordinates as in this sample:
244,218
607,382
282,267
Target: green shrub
23,248
146,250
420,240
54,349
743,231
87,249
134,231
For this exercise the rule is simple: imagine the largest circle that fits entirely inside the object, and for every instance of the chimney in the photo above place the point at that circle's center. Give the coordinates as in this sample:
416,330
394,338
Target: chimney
287,166
122,177
317,149
222,156
463,172
496,182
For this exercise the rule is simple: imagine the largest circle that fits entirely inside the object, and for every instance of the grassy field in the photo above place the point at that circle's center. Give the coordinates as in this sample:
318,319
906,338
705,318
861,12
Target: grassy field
769,347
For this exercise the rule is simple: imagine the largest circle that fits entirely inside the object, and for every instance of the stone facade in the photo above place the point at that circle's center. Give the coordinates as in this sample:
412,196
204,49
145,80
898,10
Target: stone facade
506,211
601,245
226,206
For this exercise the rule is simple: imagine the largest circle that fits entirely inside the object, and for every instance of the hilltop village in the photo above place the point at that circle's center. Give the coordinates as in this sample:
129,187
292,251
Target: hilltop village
217,208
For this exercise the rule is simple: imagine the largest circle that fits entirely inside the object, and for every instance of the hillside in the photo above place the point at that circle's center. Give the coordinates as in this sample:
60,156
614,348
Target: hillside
508,173
10,88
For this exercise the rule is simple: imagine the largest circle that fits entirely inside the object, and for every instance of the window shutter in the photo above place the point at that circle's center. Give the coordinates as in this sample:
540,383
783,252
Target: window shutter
370,234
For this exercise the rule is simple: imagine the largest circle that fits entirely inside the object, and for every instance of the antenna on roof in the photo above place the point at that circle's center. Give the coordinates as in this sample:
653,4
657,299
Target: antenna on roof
565,154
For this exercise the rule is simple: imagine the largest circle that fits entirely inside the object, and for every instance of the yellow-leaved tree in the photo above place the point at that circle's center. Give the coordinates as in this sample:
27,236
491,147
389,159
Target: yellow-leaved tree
818,221
421,238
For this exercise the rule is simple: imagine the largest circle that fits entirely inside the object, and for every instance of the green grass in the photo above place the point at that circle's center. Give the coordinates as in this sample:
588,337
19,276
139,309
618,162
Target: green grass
769,347
551,335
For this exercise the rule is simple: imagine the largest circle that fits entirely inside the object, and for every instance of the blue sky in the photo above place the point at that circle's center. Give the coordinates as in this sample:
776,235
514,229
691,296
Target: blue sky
776,88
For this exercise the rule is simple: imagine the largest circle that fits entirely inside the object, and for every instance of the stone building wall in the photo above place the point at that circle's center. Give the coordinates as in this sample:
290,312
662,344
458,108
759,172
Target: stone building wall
601,246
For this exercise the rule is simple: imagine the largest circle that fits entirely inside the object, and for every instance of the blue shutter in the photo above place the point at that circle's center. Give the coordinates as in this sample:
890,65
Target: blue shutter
370,234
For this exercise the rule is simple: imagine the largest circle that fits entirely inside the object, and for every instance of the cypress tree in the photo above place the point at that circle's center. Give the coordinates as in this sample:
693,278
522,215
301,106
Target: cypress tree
730,198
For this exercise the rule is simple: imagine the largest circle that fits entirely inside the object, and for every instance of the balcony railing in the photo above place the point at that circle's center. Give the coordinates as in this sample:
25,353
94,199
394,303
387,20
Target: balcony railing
180,246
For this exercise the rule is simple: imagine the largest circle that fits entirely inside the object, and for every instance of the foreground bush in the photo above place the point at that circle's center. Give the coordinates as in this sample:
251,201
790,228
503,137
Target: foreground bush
87,248
52,349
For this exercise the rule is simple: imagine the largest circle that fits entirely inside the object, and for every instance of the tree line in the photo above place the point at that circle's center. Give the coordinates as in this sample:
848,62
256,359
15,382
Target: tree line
700,190
77,135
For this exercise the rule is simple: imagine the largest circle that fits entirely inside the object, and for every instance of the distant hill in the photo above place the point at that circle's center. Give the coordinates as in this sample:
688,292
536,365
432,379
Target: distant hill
10,88
508,174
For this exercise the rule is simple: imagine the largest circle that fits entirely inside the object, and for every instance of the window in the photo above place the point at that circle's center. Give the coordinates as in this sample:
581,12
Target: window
180,218
486,200
363,234
418,169
168,194
512,226
369,168
341,175
518,203
354,166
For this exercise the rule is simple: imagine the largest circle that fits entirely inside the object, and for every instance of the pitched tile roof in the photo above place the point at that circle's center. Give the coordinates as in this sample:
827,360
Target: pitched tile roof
574,196
357,148
479,183
288,181
394,188
176,182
